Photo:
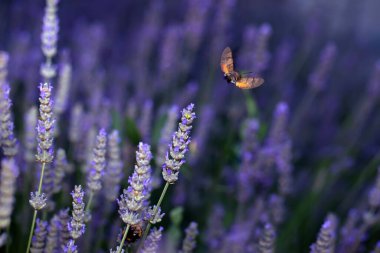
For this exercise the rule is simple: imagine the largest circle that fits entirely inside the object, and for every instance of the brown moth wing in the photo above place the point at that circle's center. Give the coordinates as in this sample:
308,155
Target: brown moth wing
249,82
226,61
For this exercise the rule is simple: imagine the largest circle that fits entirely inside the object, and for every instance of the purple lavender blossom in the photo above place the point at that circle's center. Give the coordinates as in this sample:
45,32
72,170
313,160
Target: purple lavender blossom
9,174
8,140
114,173
61,167
37,200
62,94
75,123
166,133
30,142
49,38
76,226
267,240
178,147
98,163
249,150
39,237
151,242
52,236
70,247
133,199
64,232
326,238
189,243
45,127
318,78
4,58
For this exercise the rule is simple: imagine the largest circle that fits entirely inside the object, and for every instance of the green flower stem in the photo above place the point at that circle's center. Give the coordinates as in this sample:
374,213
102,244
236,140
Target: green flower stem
35,211
89,202
122,240
146,231
31,231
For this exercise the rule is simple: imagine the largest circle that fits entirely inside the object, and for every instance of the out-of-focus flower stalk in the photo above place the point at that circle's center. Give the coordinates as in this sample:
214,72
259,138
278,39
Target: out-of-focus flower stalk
151,242
189,242
49,38
96,170
114,174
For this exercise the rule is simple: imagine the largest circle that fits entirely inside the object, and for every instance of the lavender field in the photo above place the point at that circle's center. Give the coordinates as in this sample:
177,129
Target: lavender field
118,132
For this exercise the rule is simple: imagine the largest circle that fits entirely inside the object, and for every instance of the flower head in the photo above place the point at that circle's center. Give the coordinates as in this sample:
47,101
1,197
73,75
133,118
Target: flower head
76,225
178,148
133,200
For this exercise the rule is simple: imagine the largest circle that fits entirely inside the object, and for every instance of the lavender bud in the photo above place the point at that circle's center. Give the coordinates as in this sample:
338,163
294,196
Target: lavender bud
178,147
75,123
195,19
76,225
114,173
151,242
98,162
61,166
276,208
9,174
64,233
267,240
189,242
133,199
150,212
318,78
38,241
30,134
166,133
62,94
145,123
278,134
326,237
261,55
37,200
45,126
52,236
70,247
8,140
4,58
49,36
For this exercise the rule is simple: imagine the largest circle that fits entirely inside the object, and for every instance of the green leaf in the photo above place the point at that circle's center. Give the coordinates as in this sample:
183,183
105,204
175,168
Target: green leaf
131,131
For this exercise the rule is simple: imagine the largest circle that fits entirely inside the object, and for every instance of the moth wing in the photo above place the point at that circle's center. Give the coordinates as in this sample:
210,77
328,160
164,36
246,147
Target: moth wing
226,61
249,82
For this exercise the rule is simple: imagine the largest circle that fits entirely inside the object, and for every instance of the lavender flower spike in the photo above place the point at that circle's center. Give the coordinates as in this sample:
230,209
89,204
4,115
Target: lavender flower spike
151,243
114,167
45,126
49,38
326,237
178,147
30,123
98,163
189,242
8,178
39,237
132,200
70,247
76,225
267,240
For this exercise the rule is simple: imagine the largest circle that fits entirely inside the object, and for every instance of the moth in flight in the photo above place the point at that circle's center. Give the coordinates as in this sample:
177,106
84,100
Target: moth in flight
234,77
